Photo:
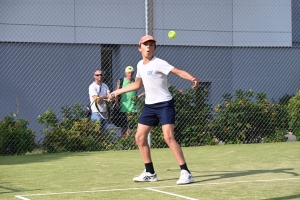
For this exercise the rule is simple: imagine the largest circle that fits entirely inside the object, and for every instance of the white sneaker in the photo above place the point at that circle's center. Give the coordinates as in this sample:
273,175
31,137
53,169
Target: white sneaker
145,177
185,178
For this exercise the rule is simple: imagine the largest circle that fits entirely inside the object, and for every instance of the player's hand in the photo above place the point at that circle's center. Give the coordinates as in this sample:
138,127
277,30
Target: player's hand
112,96
196,83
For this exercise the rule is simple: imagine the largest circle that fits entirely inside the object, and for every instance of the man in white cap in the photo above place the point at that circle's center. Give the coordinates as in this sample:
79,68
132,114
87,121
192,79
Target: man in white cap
125,102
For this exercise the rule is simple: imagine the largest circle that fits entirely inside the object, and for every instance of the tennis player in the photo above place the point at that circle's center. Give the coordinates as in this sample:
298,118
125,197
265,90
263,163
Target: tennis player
159,107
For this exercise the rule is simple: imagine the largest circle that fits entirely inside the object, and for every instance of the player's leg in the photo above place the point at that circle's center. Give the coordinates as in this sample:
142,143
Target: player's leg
185,175
168,131
166,115
167,118
141,140
146,121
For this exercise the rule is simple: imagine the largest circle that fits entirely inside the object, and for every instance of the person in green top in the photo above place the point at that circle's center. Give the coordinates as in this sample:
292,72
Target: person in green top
125,103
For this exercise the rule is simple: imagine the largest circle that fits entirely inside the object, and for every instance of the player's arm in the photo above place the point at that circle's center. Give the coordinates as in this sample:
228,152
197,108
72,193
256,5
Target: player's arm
131,87
141,94
183,74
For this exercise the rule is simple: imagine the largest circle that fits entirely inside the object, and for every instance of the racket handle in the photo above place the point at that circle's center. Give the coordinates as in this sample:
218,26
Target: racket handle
113,95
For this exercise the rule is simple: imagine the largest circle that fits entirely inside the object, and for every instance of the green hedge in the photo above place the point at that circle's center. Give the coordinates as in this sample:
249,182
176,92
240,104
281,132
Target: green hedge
15,136
239,118
293,110
73,132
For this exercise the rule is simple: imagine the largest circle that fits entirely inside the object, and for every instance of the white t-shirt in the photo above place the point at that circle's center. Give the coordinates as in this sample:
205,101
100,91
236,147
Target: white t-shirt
94,91
154,77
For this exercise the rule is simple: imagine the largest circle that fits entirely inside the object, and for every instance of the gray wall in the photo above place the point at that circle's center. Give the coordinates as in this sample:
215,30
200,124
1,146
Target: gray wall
224,22
197,22
272,70
262,23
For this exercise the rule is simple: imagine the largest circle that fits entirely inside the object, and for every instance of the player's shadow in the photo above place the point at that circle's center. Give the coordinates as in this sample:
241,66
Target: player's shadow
232,174
217,175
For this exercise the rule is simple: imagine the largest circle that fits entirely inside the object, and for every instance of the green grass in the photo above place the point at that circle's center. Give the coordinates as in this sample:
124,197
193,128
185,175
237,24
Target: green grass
253,171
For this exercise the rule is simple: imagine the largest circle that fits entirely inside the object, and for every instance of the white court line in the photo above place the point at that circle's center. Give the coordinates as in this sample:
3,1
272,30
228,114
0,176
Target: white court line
148,188
20,197
221,183
172,194
87,191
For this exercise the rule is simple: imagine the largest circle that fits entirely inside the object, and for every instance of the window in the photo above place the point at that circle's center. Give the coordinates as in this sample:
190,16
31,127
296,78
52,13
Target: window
107,51
205,85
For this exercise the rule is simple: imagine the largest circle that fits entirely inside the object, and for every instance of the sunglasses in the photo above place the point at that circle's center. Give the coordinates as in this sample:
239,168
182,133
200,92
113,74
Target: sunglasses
98,74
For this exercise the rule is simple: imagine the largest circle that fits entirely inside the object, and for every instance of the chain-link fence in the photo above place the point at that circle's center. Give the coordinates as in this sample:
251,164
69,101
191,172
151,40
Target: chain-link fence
244,53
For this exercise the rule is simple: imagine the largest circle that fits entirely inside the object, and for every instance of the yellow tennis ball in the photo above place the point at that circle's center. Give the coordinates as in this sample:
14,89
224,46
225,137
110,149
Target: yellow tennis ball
172,34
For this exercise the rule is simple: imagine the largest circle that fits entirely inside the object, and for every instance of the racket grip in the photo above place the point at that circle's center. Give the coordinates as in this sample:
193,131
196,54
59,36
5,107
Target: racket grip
113,95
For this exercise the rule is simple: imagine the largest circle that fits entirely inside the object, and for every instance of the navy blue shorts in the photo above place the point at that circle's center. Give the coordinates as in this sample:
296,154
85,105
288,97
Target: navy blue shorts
163,112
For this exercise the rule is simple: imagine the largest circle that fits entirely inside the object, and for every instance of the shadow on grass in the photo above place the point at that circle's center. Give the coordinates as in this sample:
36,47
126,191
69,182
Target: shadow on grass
217,175
25,159
232,174
296,196
7,190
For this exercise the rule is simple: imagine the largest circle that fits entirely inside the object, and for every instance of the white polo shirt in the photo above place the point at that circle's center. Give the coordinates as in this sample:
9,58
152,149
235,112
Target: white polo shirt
154,77
94,91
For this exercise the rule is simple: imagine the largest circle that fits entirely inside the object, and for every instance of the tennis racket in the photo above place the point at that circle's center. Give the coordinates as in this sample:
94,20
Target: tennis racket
110,106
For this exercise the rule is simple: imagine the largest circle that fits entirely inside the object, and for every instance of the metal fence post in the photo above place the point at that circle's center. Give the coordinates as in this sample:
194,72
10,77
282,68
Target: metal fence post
149,31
